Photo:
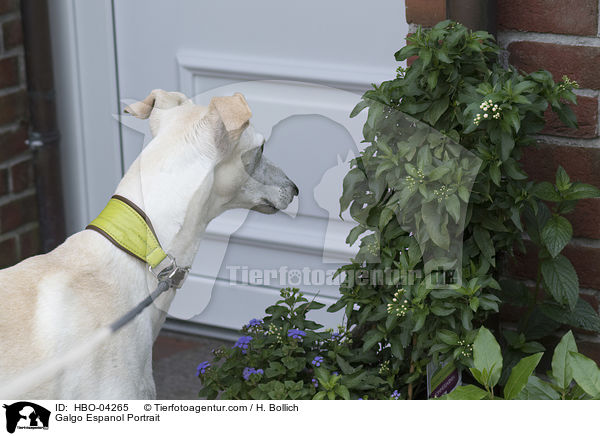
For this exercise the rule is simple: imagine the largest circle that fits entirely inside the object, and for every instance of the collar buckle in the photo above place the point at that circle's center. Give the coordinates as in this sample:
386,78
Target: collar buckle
176,275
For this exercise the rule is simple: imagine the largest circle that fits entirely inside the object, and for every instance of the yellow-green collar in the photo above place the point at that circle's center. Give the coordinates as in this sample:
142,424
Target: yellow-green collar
127,226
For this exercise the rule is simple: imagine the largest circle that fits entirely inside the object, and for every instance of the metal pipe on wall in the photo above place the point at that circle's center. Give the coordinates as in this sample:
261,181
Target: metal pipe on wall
475,14
43,133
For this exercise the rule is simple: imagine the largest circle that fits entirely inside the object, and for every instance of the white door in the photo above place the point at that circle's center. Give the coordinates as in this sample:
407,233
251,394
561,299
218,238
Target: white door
302,67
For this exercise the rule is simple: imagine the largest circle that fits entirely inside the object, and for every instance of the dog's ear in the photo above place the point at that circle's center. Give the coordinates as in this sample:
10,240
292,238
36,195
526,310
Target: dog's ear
232,116
157,99
155,105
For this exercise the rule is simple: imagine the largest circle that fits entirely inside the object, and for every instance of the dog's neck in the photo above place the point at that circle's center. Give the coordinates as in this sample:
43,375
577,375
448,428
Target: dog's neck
173,193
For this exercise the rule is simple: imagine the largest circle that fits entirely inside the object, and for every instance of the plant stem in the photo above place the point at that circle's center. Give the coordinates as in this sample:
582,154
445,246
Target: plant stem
412,368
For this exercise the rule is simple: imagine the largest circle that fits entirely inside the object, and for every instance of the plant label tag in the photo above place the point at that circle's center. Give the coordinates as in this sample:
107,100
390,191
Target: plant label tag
442,378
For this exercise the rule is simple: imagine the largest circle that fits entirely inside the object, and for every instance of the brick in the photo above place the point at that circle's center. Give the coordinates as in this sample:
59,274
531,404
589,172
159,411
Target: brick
584,259
586,112
425,12
13,34
575,17
585,219
18,213
3,182
22,176
13,107
589,349
8,6
581,163
8,252
13,143
9,72
578,62
30,243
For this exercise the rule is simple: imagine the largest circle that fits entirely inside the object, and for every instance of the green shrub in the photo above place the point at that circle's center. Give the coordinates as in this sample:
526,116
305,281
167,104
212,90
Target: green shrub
456,87
422,203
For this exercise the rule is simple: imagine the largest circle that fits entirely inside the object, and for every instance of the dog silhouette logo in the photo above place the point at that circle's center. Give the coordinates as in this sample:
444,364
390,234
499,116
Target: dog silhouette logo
26,415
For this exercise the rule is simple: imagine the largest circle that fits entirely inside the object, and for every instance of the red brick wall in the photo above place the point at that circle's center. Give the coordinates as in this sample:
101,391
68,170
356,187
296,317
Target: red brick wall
561,37
18,216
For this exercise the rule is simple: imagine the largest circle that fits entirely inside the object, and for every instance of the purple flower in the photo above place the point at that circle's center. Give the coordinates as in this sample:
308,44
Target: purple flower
242,343
255,322
315,382
410,234
296,334
395,395
335,336
359,398
202,368
335,373
317,361
247,372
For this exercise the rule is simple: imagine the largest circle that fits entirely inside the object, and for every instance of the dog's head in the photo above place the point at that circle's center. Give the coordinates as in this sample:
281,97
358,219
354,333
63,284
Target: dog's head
221,132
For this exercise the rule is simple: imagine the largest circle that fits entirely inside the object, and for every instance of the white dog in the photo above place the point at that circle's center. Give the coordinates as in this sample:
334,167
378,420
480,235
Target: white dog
201,162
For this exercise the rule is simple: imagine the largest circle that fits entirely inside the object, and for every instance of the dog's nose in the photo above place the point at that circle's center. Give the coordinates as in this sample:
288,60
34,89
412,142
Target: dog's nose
295,189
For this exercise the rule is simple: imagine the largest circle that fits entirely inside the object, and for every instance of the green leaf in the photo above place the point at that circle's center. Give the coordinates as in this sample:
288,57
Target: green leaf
436,228
563,182
437,109
425,56
537,389
344,365
561,280
484,242
580,191
453,207
520,375
545,191
506,146
448,337
556,234
351,180
561,370
487,356
342,391
354,234
359,108
371,338
586,373
468,392
320,395
523,86
495,175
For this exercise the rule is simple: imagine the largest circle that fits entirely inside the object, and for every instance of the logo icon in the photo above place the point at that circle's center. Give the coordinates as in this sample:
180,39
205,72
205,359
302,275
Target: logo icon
26,415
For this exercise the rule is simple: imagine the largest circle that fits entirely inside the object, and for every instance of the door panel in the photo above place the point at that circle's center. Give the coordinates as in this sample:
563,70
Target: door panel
302,67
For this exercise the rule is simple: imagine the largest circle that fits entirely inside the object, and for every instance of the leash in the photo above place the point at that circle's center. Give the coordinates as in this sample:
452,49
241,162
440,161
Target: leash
117,227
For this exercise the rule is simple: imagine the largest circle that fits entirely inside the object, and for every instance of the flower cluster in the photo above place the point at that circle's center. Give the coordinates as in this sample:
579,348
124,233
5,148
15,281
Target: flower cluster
467,348
296,334
567,83
202,368
395,395
413,181
317,361
442,193
385,367
399,304
243,343
494,112
315,382
274,330
249,371
255,322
